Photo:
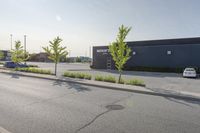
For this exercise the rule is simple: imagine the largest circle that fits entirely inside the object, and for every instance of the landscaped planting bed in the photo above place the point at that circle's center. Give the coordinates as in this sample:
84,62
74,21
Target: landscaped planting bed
34,70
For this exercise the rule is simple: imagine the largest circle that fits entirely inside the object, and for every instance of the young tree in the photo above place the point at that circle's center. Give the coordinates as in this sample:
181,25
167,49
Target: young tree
55,51
119,50
17,54
1,55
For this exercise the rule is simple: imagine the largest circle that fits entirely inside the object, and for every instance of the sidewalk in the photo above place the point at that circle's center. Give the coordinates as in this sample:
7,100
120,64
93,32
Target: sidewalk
120,87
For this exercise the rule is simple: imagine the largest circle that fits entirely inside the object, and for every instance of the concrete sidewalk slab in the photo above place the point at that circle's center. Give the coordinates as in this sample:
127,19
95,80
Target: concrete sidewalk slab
121,87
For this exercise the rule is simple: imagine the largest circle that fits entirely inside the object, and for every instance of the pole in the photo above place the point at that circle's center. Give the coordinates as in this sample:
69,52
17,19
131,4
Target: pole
69,53
11,41
90,51
25,48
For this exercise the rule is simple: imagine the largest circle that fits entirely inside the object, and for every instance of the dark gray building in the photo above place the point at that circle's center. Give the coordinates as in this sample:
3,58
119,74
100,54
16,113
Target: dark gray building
169,54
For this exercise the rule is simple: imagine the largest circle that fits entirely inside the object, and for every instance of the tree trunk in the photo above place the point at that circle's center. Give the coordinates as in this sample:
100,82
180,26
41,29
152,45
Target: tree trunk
56,68
120,74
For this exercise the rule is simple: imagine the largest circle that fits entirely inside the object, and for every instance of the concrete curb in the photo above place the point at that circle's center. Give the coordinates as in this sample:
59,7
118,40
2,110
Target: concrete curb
2,130
105,85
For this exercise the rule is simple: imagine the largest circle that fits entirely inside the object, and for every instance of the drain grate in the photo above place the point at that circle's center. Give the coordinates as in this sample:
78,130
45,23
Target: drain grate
115,107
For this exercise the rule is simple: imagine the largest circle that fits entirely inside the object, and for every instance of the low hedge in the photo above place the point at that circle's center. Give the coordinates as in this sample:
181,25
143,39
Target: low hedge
34,70
77,75
32,65
69,74
136,82
87,76
110,79
122,81
98,78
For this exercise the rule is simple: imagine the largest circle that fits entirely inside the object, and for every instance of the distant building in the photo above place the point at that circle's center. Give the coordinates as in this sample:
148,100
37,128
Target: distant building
85,59
7,55
43,57
39,57
71,59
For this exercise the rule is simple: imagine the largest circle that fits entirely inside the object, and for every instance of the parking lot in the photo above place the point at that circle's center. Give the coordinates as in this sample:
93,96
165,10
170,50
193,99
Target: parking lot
154,80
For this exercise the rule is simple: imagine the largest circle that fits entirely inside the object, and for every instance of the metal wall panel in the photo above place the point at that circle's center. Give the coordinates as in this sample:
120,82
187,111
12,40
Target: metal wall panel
161,54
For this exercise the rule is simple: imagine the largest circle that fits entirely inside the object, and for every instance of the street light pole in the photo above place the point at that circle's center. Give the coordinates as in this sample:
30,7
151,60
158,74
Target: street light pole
25,47
11,41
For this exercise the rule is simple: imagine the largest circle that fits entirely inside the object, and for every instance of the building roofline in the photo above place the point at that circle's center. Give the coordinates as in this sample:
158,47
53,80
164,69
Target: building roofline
175,41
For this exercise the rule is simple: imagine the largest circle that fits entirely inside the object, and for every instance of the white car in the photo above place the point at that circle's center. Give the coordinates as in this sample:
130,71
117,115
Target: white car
190,73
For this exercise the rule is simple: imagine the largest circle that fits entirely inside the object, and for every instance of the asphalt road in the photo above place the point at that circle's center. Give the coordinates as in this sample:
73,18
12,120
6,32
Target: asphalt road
29,105
153,80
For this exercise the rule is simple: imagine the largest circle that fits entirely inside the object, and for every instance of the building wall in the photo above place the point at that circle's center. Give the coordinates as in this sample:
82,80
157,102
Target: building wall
166,56
100,57
7,55
159,56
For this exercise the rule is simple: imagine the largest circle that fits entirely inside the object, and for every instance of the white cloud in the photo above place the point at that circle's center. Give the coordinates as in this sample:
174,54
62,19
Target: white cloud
58,18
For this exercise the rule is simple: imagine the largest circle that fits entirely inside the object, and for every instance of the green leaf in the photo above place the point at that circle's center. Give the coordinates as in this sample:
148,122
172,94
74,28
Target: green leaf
119,50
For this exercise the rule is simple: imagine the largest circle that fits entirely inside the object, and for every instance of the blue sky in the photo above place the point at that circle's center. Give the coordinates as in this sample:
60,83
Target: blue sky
84,23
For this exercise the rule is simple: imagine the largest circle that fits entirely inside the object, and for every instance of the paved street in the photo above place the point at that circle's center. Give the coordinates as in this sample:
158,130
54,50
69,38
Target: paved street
153,80
29,105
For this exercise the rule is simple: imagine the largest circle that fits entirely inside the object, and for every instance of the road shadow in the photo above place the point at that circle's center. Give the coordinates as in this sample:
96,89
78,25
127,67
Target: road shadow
75,86
178,101
14,75
176,97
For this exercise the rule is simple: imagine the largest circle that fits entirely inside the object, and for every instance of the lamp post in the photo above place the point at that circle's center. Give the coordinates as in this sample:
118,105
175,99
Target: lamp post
25,48
11,41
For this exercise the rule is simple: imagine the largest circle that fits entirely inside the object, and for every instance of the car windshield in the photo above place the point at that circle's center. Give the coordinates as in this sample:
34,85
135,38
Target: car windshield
190,69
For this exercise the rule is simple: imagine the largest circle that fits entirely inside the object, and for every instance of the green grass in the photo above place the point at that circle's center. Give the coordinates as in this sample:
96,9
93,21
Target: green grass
122,81
136,82
87,76
80,75
1,63
34,70
69,74
77,75
32,65
110,79
98,78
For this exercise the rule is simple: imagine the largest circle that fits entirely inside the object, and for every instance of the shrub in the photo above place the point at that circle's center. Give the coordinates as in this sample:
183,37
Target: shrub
33,70
1,63
32,65
80,75
122,81
99,78
136,82
77,75
110,79
69,74
87,76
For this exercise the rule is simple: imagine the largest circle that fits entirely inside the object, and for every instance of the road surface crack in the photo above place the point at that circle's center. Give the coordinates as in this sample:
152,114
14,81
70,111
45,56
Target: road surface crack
101,114
96,117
